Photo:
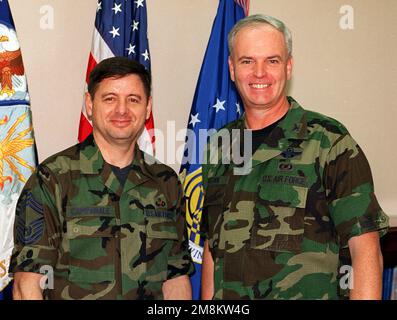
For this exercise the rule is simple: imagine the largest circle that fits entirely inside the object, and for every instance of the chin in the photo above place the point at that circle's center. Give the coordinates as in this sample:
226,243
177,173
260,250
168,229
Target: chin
119,136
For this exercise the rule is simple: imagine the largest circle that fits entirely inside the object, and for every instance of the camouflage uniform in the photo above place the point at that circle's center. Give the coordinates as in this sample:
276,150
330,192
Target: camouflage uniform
276,233
103,241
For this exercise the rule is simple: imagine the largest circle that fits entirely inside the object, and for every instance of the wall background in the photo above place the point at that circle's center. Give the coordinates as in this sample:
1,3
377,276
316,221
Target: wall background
350,75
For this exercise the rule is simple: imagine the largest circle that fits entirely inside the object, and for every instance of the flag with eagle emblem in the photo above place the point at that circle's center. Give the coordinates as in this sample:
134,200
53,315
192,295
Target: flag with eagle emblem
215,103
17,148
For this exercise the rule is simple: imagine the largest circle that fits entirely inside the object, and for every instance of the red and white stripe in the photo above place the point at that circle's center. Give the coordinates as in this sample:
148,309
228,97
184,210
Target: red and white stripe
245,4
99,52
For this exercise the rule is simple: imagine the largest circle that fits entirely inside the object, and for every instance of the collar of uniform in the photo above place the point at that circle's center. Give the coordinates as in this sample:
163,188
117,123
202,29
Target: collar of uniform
294,125
91,160
137,175
139,170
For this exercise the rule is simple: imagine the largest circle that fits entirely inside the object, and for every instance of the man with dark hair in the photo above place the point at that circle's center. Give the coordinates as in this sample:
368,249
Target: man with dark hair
102,219
277,231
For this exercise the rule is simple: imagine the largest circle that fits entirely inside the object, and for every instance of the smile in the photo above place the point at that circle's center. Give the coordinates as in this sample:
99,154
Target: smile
120,122
259,86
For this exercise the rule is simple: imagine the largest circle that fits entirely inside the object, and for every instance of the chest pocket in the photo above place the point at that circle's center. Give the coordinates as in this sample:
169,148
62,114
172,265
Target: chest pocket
279,217
91,237
160,224
161,236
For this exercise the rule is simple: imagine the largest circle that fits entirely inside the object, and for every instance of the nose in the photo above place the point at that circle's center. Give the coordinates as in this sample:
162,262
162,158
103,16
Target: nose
259,69
121,107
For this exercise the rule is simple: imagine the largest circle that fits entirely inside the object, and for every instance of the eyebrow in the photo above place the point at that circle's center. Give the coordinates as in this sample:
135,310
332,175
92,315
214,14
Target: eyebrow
244,57
138,96
115,94
267,58
276,56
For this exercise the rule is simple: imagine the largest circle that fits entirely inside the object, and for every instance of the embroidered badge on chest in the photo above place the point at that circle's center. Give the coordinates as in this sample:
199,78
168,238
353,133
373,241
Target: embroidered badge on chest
158,213
291,153
285,166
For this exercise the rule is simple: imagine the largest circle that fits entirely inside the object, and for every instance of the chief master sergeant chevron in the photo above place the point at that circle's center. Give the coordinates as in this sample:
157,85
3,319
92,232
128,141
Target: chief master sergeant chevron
277,232
108,221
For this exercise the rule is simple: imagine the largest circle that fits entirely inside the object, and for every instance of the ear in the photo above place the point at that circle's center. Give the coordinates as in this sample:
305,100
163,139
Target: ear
290,64
88,105
148,108
231,68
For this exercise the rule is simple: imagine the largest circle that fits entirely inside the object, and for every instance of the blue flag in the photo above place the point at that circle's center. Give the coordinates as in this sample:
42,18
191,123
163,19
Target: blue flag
216,102
17,148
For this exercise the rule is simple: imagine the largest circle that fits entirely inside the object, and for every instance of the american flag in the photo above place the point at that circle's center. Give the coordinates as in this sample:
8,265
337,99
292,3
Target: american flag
120,30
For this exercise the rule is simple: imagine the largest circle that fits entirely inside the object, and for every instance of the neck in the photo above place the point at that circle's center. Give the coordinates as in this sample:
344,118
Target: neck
259,118
119,155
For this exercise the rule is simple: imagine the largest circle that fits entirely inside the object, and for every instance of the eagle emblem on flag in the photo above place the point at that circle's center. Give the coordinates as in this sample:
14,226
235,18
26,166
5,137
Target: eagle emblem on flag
12,72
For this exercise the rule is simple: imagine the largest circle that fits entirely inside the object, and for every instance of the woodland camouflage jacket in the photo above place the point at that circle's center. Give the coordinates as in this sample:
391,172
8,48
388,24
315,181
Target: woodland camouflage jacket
277,232
103,241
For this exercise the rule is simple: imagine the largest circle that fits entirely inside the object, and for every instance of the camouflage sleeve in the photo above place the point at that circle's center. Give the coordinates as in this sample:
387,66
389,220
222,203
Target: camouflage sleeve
210,171
36,227
179,260
350,192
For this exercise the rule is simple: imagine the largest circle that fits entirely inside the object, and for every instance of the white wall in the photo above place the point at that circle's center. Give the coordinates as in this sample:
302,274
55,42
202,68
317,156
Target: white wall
347,74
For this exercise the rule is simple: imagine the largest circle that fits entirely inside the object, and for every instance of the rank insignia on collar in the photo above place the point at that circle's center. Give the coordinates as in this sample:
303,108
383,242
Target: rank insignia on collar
297,127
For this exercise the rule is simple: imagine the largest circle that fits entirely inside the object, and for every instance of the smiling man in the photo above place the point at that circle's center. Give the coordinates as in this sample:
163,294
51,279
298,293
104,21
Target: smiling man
102,219
279,231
